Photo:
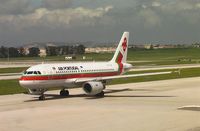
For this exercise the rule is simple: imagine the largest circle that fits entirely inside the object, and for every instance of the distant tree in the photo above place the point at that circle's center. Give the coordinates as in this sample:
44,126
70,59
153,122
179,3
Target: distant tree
71,50
59,50
75,50
3,52
52,50
34,51
65,50
80,49
13,52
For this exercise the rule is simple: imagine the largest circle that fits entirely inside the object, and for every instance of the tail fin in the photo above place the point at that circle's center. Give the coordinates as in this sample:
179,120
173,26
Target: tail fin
120,55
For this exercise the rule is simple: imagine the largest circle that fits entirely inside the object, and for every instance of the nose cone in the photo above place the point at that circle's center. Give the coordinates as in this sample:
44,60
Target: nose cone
23,83
26,84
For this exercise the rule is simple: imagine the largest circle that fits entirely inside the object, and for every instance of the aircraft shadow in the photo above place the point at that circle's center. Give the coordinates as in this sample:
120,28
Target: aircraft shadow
107,93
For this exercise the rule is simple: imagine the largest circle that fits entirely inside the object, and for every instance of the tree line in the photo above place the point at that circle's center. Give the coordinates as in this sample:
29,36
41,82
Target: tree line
65,50
35,51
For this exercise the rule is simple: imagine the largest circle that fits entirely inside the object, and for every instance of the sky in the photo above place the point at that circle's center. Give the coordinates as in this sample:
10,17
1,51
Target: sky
148,21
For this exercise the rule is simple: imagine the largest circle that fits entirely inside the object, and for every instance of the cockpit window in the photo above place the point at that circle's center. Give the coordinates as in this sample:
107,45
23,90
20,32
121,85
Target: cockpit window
30,72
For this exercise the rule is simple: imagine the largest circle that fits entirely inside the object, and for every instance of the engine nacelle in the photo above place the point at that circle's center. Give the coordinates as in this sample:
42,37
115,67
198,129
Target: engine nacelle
93,87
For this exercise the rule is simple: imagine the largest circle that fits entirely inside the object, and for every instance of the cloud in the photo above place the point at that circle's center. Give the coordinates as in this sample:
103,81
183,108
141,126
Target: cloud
55,4
150,20
156,4
198,5
64,18
158,12
15,7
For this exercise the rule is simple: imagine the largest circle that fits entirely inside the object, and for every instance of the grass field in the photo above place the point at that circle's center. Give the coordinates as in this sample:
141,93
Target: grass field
12,70
135,57
10,87
13,87
164,54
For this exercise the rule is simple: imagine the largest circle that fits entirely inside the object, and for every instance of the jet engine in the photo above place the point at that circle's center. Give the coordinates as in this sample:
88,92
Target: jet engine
93,87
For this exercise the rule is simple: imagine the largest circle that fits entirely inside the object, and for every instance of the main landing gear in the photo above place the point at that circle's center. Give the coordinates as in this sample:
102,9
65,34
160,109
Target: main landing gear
42,97
101,94
64,92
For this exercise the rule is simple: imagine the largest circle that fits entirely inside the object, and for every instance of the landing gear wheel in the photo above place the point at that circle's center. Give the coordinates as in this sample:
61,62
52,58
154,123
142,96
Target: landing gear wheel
64,93
42,97
101,94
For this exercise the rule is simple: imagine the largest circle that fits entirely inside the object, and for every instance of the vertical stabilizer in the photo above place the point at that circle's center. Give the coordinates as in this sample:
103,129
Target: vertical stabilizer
120,55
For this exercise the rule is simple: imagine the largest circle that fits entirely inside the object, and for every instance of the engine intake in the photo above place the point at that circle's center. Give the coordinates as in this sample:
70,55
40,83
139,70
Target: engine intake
93,88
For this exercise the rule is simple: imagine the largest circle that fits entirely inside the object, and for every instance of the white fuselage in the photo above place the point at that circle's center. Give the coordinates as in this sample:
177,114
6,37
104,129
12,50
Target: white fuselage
64,75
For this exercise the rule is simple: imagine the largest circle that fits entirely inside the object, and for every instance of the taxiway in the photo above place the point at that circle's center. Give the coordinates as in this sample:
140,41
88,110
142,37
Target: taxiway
147,106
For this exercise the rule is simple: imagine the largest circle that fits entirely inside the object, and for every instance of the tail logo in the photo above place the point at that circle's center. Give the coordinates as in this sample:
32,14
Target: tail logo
124,44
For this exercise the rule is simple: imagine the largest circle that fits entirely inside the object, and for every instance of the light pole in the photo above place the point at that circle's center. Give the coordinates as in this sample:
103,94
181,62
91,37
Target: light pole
8,55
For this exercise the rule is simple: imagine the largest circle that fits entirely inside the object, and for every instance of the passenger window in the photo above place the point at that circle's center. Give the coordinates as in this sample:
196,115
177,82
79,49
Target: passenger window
39,72
35,72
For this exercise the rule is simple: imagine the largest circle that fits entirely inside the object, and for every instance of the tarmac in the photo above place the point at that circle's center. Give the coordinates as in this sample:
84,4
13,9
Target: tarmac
168,105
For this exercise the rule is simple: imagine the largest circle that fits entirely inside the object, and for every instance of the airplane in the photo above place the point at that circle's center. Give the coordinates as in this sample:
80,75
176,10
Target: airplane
91,76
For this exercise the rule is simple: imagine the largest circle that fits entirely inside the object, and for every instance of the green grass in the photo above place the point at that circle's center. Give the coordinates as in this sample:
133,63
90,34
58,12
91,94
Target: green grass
154,57
12,70
164,54
151,71
89,57
165,62
185,55
10,87
184,73
13,87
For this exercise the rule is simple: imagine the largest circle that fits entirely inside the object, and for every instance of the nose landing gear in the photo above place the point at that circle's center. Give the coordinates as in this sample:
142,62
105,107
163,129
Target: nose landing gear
42,96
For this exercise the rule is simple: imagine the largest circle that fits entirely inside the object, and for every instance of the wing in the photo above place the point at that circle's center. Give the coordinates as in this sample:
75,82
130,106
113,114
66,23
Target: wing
81,80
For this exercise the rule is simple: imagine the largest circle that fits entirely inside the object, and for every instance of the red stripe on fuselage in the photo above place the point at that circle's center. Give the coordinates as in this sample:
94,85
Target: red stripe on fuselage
67,76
